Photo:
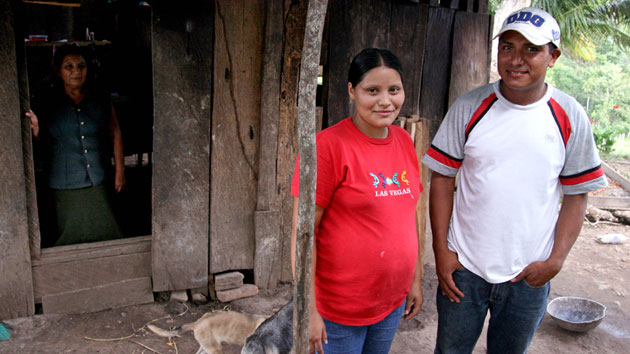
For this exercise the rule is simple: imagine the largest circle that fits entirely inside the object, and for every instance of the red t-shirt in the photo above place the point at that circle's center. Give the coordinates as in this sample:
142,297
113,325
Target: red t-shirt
367,243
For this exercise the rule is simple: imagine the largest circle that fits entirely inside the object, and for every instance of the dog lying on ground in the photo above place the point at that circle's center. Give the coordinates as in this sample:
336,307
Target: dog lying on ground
214,328
259,334
274,336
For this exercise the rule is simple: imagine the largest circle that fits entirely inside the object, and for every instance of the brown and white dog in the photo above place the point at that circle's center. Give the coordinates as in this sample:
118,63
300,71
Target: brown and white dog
214,328
256,333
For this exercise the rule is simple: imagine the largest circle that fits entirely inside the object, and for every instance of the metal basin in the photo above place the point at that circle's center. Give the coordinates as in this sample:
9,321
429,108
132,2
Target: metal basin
575,313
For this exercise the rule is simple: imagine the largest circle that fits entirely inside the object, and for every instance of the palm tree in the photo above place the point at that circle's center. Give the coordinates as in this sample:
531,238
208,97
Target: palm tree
584,23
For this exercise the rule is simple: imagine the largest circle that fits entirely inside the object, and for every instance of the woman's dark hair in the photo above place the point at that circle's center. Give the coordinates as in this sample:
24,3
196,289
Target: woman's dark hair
86,53
369,59
65,50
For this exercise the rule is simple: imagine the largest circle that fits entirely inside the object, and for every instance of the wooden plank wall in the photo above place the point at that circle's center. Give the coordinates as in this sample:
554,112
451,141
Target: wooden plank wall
266,218
422,36
239,30
182,42
354,25
437,66
471,60
16,285
92,277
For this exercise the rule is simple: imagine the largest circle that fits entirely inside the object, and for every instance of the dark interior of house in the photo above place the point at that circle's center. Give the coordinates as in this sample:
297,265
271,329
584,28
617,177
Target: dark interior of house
117,34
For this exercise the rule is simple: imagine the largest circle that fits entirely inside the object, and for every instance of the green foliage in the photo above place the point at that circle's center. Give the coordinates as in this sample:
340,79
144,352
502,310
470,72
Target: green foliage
493,5
585,23
601,86
605,137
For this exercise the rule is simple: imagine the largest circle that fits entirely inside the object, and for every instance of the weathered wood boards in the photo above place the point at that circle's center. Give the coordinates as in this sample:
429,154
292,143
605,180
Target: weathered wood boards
437,66
355,25
267,257
16,287
470,63
92,271
239,30
102,297
182,78
92,277
407,40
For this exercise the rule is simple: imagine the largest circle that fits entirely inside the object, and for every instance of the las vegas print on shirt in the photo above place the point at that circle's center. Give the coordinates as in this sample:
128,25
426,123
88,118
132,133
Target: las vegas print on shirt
389,187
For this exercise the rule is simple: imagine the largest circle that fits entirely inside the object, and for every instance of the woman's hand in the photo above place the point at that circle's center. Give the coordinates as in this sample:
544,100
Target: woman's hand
317,332
119,179
414,300
34,123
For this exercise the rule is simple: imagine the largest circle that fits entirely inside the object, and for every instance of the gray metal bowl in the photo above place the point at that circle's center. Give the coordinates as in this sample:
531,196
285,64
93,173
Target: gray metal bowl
575,313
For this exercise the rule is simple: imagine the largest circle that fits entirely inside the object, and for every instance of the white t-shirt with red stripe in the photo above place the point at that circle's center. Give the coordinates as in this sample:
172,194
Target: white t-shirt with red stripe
514,162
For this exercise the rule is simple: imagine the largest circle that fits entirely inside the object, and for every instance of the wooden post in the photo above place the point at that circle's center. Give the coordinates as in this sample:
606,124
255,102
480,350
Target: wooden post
308,170
422,142
16,279
32,215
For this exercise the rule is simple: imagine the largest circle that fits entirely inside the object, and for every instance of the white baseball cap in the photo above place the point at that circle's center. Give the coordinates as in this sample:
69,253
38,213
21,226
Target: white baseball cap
538,26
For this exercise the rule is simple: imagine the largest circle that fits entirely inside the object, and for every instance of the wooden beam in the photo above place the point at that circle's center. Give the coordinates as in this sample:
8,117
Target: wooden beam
612,203
54,3
610,172
315,18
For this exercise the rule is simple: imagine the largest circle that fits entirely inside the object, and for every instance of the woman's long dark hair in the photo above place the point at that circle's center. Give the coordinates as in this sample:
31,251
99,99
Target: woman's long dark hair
369,59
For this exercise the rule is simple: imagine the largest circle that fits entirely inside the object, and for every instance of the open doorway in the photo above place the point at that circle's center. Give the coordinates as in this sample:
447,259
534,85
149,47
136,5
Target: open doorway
116,35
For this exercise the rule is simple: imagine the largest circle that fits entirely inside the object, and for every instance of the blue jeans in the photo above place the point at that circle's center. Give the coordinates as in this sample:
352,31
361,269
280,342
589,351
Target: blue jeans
516,310
373,339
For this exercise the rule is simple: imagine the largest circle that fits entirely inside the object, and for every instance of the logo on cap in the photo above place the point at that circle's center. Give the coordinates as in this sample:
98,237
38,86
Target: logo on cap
525,16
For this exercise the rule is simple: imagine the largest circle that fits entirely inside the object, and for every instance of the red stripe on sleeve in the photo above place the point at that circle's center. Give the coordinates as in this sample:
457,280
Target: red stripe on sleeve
583,178
443,159
482,108
562,120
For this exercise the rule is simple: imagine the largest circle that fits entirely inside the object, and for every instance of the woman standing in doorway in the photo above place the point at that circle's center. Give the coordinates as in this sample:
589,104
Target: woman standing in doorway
366,274
79,133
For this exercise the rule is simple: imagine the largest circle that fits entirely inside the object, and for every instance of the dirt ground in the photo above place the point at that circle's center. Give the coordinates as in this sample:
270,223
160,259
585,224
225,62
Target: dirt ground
596,271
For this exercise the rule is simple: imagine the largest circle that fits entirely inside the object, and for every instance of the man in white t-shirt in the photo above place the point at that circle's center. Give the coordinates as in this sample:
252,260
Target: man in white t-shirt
521,147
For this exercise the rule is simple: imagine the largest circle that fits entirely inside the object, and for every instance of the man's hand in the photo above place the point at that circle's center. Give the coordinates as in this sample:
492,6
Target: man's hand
317,332
538,274
567,230
446,263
